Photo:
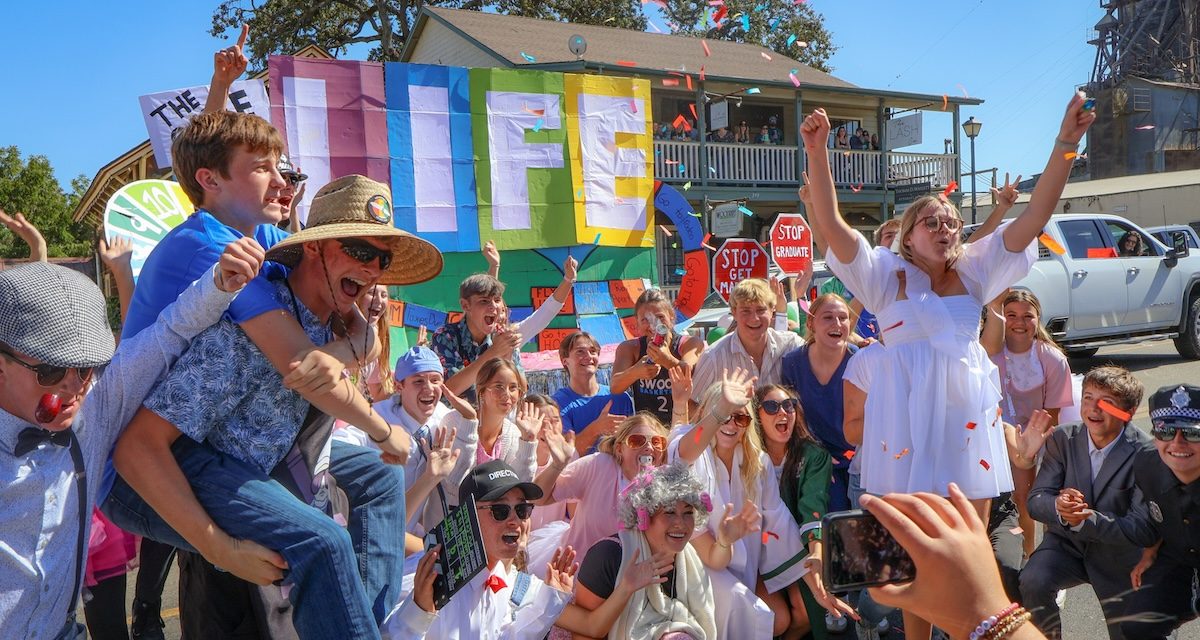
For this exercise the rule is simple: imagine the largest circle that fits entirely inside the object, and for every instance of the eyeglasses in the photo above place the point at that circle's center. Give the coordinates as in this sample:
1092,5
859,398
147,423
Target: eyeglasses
637,441
365,252
772,407
49,375
741,420
1166,433
933,223
500,512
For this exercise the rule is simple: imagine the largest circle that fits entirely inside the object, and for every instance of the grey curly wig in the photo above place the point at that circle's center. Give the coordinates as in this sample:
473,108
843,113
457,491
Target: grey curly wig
653,490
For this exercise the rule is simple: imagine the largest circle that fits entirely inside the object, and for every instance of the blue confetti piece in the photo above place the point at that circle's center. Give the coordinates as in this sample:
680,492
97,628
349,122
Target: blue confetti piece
791,39
746,22
682,168
753,91
596,240
579,194
774,23
681,272
745,211
794,71
537,126
528,58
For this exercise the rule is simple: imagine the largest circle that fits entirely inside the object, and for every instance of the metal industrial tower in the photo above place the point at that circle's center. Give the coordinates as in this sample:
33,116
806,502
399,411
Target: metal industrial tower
1150,39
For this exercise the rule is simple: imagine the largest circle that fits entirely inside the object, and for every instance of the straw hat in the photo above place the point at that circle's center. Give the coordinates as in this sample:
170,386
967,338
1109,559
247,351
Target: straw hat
358,207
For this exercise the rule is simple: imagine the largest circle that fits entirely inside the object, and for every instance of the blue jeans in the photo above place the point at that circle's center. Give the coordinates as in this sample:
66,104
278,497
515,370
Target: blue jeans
375,491
327,595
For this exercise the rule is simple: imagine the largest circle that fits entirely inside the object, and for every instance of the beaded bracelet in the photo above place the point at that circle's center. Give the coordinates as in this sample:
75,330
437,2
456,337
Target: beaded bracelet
1012,624
990,622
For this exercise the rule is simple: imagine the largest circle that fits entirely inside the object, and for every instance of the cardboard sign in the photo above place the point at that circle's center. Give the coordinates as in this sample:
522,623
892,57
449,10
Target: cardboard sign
626,292
143,212
462,555
693,289
541,294
791,244
396,313
166,112
737,259
549,339
630,325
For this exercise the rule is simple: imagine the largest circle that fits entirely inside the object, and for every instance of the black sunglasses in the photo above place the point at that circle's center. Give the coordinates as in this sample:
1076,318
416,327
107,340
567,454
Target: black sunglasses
772,407
500,511
1166,433
365,252
49,375
742,420
294,178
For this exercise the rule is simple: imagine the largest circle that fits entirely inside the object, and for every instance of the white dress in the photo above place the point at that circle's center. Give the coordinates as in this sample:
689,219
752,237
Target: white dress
933,408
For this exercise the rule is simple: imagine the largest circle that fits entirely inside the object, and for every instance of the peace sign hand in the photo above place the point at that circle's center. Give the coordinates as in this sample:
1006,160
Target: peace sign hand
1006,195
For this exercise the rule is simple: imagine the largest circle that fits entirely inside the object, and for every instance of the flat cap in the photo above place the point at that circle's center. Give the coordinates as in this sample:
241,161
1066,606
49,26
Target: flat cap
55,315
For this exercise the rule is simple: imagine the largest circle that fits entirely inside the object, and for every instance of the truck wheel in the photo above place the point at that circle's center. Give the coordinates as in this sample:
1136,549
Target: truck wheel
1188,342
1082,353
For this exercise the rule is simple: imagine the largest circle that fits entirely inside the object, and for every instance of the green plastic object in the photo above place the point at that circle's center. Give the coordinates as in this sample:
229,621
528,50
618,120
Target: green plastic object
714,334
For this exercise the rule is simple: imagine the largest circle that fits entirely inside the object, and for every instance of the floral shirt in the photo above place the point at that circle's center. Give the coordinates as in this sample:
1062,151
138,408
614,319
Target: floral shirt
223,390
456,349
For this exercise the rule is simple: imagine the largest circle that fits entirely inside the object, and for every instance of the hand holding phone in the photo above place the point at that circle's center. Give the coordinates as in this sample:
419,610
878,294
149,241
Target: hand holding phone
861,553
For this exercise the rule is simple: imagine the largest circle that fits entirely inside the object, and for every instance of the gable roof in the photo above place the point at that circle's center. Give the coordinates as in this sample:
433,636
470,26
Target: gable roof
507,37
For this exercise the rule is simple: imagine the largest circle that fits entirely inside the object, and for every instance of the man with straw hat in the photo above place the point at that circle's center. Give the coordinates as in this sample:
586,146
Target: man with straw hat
210,491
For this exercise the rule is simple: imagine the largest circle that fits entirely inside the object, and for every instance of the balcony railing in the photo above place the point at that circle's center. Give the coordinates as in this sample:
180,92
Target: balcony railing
762,164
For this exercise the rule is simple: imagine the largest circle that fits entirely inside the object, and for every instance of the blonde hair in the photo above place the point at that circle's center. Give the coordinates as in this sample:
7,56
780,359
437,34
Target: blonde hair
818,304
491,369
750,291
1119,382
608,444
752,446
908,222
1040,333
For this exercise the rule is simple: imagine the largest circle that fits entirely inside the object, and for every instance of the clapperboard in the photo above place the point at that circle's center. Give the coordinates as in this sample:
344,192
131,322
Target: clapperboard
462,555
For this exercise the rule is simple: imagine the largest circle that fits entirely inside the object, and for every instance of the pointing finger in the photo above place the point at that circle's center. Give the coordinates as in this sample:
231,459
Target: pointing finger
242,38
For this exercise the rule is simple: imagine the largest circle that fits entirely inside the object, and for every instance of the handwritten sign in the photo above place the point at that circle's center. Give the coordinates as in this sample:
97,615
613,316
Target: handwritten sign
549,339
541,294
166,112
905,131
395,313
143,212
415,315
626,292
593,297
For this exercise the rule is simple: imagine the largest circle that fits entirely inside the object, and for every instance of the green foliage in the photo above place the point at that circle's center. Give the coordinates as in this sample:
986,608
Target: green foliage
28,186
788,18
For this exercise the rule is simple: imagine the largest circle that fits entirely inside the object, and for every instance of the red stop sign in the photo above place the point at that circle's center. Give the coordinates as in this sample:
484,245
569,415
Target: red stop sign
737,260
791,243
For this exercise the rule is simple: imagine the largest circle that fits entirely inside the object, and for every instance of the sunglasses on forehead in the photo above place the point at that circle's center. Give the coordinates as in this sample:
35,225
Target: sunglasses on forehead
49,375
773,407
500,512
365,252
1166,432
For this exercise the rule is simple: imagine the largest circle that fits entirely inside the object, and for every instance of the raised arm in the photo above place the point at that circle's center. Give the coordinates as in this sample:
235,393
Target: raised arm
1005,198
492,255
25,230
736,390
228,65
823,214
117,255
992,336
541,317
1028,226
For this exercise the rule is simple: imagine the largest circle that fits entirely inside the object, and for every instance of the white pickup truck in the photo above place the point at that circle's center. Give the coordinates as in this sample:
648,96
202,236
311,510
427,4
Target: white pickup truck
1094,295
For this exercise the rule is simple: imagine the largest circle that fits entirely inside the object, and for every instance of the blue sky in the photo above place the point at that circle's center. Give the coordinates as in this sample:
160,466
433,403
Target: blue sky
70,92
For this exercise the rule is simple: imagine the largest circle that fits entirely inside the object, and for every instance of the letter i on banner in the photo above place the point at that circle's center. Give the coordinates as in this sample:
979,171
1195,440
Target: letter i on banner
523,181
432,162
609,131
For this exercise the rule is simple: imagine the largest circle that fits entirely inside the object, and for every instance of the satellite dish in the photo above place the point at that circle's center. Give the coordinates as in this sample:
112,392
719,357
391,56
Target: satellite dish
577,45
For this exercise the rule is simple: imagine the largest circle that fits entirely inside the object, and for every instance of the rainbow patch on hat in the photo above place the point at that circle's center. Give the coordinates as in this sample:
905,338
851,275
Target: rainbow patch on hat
379,209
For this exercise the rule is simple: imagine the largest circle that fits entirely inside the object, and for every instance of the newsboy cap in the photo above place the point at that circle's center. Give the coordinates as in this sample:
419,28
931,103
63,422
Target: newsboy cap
55,315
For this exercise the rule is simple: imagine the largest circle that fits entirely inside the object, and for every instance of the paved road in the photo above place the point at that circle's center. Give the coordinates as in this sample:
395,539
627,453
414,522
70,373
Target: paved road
1156,364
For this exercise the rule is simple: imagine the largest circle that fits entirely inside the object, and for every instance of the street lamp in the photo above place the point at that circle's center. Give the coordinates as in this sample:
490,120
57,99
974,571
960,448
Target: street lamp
971,127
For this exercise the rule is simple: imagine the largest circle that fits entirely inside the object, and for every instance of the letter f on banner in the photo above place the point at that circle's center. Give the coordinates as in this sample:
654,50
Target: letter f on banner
510,116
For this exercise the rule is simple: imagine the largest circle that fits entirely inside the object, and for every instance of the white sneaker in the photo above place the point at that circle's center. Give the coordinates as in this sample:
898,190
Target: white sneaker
835,625
1061,598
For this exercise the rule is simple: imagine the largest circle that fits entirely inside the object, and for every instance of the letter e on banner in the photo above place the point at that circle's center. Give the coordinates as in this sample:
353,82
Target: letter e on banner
791,243
737,260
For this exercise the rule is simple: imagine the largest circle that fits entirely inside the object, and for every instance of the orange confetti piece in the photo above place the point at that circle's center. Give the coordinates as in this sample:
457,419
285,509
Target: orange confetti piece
903,452
701,73
1070,155
898,324
681,121
1101,252
536,112
971,425
626,63
949,189
858,188
945,101
706,238
1112,410
707,52
689,81
692,106
848,454
665,230
985,465
670,82
764,55
1052,244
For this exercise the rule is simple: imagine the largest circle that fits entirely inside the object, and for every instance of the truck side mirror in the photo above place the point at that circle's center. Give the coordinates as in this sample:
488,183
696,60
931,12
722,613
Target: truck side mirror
1179,248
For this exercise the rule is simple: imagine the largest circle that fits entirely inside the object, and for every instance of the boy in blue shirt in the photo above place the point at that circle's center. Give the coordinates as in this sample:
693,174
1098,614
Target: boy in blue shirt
587,407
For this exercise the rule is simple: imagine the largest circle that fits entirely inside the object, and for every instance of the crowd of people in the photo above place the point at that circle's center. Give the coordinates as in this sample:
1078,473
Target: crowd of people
252,419
769,132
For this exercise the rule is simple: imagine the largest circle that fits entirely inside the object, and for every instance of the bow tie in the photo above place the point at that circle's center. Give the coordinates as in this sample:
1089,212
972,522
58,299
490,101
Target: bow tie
495,583
31,437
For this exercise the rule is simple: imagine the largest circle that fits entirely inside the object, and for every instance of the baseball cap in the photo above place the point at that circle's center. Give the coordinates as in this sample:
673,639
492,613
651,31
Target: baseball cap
55,315
1176,405
493,479
417,360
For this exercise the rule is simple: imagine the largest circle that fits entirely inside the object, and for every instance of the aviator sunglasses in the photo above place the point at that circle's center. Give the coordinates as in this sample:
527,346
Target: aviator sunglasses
500,511
365,252
1166,432
772,407
742,420
638,440
49,375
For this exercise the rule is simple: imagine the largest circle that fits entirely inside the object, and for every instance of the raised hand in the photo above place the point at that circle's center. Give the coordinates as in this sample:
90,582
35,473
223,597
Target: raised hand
422,336
230,63
734,527
116,254
492,255
780,294
1077,119
681,382
238,264
560,571
1006,196
1031,440
441,458
636,576
529,421
815,130
25,230
561,445
570,269
464,408
736,390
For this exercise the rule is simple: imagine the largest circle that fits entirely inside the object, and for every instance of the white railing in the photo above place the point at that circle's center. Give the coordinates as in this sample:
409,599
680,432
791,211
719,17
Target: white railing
677,160
937,169
855,168
726,163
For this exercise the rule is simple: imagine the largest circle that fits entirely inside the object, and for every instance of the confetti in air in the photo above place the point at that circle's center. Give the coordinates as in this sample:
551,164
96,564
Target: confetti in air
665,230
767,535
898,324
949,189
1145,127
753,91
858,188
596,240
764,55
536,112
681,272
537,126
791,39
626,63
1052,244
945,101
670,82
687,185
971,425
746,211
794,79
848,454
985,465
1016,531
528,58
903,452
1070,155
707,52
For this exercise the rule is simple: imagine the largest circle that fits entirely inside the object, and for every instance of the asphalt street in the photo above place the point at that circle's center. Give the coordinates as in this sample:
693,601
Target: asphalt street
1155,363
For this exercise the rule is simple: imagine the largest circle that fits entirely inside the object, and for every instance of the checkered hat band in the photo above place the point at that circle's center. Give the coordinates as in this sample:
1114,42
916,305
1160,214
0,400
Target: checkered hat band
1186,413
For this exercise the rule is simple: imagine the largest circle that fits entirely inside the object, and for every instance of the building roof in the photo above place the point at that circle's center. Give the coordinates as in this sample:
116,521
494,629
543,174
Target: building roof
656,54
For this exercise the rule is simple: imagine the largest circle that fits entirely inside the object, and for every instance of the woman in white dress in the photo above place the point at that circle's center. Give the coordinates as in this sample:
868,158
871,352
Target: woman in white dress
932,416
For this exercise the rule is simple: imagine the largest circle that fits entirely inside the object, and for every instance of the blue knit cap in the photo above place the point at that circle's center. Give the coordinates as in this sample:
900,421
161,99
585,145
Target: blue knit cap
417,360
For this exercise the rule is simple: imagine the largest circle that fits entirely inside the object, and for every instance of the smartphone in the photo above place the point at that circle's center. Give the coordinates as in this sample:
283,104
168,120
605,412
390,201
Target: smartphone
860,553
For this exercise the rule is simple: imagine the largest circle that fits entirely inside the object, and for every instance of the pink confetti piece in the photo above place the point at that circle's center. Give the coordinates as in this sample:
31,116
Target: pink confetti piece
665,230
633,106
671,162
984,463
898,324
1145,127
858,188
707,51
1016,531
764,55
536,112
709,247
794,79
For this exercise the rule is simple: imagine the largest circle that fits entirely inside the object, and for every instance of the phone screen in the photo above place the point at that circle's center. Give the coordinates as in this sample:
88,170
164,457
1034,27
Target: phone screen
861,553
